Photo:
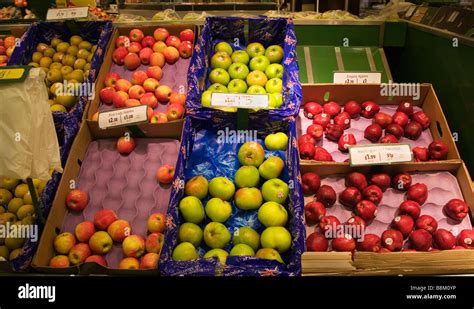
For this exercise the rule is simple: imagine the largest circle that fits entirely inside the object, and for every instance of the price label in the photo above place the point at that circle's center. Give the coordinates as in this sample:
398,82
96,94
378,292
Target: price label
123,117
239,100
15,73
357,78
379,154
67,13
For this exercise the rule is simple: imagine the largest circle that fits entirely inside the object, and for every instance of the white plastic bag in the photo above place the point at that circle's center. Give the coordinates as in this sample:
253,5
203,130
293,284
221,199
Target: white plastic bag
28,141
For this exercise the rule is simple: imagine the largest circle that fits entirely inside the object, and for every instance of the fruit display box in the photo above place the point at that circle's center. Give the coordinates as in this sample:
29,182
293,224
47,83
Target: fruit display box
96,32
428,102
174,75
238,32
444,182
202,154
125,184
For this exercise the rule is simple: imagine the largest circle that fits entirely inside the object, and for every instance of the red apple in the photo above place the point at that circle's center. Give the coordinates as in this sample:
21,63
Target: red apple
404,224
306,150
139,77
119,99
421,240
371,243
165,174
322,155
382,119
149,99
185,49
410,208
311,183
401,181
96,259
106,95
163,93
418,193
456,209
327,223
466,239
313,212
148,41
326,195
392,240
125,145
76,200
356,221
322,119
159,118
312,109
381,180
122,41
332,109
103,218
343,119
426,222
145,55
373,132
119,55
316,131
405,107
134,47
161,34
400,118
422,118
394,129
334,132
316,242
413,130
186,35
352,108
369,109
444,239
389,139
136,35
373,193
420,154
306,138
111,78
131,61
174,111
350,196
366,210
346,140
173,41
344,243
356,179
178,98
438,150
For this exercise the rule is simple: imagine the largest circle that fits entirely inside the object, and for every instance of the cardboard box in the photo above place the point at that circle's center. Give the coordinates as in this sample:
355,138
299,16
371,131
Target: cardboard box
59,211
428,101
93,106
395,263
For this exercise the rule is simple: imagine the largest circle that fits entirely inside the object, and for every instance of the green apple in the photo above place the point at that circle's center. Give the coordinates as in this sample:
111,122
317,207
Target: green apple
247,235
221,60
190,232
65,70
216,87
271,167
269,254
216,235
257,78
274,70
276,141
219,76
54,76
275,100
255,49
192,210
242,250
274,53
275,190
274,85
238,70
276,237
272,214
185,251
218,210
197,186
223,47
251,153
240,56
259,63
206,98
247,176
256,90
237,86
248,198
55,66
219,253
222,188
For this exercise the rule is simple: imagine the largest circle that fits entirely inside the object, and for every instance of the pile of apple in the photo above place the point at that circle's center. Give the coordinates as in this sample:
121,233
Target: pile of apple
16,207
268,200
94,239
331,121
144,88
7,45
363,197
64,62
255,70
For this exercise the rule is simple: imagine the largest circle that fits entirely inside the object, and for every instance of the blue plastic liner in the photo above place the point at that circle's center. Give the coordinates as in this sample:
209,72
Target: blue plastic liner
268,31
67,124
202,154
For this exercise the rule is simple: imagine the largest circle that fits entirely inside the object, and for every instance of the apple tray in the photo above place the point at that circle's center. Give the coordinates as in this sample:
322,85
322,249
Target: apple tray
239,32
97,32
445,182
202,154
428,102
174,76
126,184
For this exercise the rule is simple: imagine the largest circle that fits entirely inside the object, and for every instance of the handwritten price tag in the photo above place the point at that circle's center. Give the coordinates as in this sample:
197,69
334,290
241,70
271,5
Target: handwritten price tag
67,13
123,117
357,78
239,100
379,154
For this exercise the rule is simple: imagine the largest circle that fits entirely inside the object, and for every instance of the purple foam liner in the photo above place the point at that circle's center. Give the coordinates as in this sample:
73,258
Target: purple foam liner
125,184
357,128
442,187
175,76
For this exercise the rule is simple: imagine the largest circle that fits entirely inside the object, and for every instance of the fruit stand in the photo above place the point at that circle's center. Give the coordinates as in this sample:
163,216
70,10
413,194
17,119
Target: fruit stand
226,146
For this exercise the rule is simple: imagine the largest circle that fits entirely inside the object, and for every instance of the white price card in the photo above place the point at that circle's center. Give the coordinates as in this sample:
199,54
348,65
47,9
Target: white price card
379,154
357,78
239,100
67,13
123,117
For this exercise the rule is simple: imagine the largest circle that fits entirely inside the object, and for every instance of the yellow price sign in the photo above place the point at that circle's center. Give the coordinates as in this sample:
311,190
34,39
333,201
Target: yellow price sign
17,73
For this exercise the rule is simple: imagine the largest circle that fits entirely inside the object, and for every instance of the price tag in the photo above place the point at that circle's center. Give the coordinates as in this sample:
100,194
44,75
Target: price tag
14,73
123,117
379,154
67,13
357,78
239,100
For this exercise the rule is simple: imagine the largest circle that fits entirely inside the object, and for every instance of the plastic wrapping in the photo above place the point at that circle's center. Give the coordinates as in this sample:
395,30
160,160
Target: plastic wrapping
268,31
201,154
167,14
